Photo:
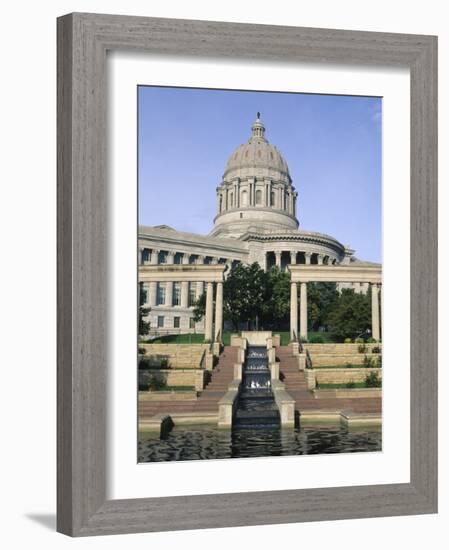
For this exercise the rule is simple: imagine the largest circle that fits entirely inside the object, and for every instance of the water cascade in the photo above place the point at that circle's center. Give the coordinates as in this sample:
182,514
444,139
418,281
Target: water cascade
256,407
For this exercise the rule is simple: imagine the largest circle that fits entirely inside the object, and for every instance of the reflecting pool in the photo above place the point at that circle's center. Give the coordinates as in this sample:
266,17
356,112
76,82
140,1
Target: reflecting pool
204,442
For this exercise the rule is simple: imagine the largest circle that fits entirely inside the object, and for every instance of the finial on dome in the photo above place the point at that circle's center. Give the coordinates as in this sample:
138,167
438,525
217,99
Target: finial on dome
258,129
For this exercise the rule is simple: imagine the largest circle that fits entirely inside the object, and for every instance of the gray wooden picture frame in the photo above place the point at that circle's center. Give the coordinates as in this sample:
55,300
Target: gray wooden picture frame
83,40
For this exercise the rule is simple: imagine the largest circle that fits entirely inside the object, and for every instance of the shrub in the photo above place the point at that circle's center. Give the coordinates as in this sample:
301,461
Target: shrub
350,384
371,340
144,364
347,341
142,351
348,365
303,340
368,362
143,386
164,363
155,384
372,380
375,349
359,341
362,348
316,340
379,362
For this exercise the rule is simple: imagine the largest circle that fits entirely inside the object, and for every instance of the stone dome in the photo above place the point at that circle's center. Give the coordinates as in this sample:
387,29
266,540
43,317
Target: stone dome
256,191
257,157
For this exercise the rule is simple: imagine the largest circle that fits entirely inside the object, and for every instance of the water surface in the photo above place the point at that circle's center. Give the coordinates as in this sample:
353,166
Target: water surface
207,442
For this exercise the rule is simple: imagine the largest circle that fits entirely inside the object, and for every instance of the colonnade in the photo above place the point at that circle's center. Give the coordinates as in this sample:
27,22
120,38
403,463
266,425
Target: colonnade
337,274
302,257
253,193
212,276
162,256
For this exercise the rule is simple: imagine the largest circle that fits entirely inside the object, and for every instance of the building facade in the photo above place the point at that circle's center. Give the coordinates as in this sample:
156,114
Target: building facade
256,221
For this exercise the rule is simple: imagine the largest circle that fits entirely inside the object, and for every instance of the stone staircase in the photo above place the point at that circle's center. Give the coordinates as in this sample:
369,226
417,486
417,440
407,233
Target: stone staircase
207,402
295,385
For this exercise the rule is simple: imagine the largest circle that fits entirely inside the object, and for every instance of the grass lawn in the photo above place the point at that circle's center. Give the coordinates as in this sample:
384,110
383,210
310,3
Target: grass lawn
325,336
342,386
199,338
187,339
145,387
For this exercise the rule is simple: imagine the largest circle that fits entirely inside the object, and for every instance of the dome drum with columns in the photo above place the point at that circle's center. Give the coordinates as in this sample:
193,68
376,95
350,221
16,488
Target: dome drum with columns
256,221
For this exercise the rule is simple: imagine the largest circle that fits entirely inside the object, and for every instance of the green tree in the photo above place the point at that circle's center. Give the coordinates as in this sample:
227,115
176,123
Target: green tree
276,308
244,295
144,326
321,300
199,307
351,315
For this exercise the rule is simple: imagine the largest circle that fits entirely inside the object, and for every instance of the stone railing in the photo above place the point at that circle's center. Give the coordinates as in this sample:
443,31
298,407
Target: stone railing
228,404
285,403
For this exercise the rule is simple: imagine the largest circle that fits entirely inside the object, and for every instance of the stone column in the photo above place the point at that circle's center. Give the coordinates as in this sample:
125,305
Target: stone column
185,258
278,259
320,259
375,317
152,294
169,294
303,312
307,256
219,313
170,257
214,261
293,257
209,312
154,256
185,294
293,311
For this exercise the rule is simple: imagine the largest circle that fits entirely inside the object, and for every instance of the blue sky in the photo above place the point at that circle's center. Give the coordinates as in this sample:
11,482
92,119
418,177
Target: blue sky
332,145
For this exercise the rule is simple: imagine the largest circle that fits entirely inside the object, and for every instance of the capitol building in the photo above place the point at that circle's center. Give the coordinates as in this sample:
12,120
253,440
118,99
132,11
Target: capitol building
256,221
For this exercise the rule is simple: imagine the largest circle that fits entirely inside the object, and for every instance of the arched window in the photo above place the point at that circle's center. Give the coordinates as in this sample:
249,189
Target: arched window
231,200
244,198
258,196
272,198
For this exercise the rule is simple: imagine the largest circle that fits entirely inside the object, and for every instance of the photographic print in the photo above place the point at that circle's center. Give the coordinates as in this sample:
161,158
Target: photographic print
259,274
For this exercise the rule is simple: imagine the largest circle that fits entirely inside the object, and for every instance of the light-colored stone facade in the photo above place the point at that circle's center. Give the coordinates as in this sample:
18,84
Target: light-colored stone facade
256,221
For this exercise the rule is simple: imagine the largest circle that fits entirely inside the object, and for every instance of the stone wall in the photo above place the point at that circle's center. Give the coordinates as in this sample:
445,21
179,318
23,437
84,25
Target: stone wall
339,349
342,376
176,377
176,355
330,360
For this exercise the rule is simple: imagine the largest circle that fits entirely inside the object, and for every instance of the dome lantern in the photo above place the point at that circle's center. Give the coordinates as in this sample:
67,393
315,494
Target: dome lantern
258,129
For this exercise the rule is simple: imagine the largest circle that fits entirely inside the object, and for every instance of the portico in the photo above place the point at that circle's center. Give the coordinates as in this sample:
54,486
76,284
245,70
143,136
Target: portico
359,273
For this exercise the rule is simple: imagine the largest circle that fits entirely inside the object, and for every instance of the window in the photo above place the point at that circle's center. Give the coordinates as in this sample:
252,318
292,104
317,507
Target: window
192,294
231,200
162,258
259,197
244,198
176,301
145,255
177,258
191,322
160,321
160,299
272,198
176,322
